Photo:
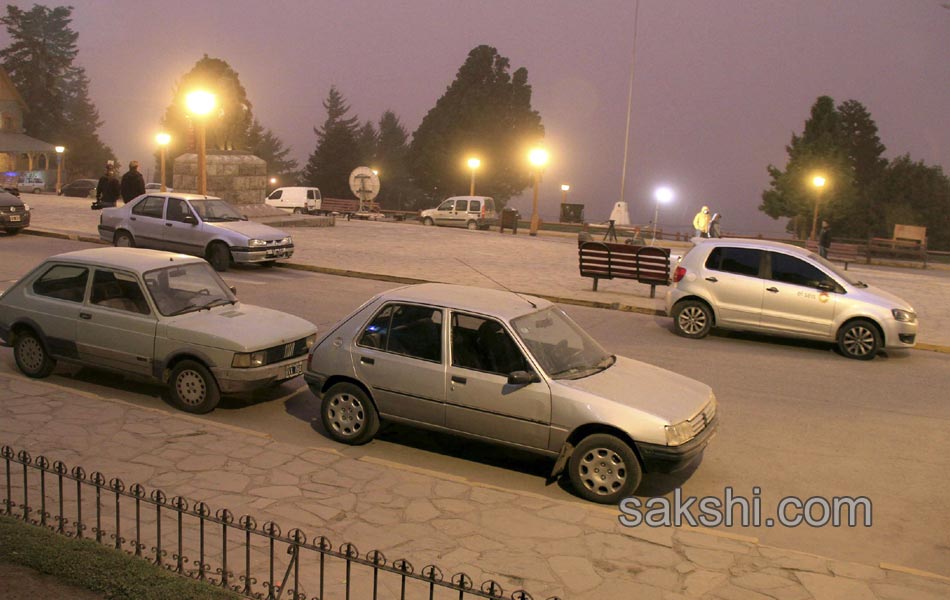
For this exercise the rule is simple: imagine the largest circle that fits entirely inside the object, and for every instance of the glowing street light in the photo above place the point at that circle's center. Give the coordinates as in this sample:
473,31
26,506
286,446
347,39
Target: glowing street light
538,157
59,167
473,164
162,140
662,195
200,103
565,188
819,182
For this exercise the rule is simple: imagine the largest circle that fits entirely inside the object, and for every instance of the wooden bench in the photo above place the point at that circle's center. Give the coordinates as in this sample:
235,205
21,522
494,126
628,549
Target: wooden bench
839,251
909,241
603,260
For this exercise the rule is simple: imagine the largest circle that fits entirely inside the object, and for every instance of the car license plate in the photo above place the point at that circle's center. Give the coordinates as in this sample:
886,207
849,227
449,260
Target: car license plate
294,369
14,218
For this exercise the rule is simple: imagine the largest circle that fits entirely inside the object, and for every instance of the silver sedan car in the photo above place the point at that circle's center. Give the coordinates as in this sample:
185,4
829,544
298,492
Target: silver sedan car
776,288
199,225
512,370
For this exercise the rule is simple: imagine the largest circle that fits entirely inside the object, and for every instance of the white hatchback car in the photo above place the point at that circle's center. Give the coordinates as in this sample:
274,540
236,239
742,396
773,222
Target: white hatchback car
781,289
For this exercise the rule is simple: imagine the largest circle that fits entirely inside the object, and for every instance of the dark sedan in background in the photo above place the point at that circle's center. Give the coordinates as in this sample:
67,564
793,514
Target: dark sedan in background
81,188
14,213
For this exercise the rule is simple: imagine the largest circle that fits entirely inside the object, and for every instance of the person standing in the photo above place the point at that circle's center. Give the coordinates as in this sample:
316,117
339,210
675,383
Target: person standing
824,239
701,222
107,191
133,184
714,230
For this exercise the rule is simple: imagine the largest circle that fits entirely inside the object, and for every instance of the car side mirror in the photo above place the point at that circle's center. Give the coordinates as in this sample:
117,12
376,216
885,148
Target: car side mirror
190,219
522,378
826,286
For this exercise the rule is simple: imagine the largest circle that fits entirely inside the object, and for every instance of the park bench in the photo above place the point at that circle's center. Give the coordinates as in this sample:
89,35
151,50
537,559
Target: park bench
909,241
603,260
839,251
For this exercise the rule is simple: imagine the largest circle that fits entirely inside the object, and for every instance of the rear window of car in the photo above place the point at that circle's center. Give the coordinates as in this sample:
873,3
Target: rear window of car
406,329
64,282
151,206
475,206
741,261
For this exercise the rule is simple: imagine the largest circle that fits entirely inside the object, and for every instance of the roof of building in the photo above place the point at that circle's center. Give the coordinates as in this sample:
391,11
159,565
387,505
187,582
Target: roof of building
20,142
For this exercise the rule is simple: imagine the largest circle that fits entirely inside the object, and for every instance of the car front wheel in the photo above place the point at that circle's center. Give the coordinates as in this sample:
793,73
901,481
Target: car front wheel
604,469
193,387
349,415
219,256
859,340
428,222
692,319
31,357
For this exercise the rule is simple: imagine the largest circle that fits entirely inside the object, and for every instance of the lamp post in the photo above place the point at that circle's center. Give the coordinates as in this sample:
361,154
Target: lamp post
538,157
59,167
565,188
664,195
162,140
819,182
473,164
200,103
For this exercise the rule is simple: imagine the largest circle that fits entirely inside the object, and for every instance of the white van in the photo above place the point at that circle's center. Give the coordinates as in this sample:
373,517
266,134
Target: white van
299,200
473,212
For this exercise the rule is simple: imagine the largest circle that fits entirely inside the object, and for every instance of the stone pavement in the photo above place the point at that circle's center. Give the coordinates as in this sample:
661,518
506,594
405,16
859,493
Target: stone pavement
545,265
546,546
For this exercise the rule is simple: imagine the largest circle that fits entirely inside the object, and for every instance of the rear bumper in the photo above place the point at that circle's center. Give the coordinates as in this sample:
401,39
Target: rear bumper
669,459
242,380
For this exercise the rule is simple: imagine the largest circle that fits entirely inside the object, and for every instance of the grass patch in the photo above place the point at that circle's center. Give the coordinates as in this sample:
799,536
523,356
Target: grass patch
89,565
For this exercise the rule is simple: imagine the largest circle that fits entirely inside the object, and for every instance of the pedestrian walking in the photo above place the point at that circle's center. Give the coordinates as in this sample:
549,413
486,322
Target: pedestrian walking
701,222
824,239
133,184
714,230
107,190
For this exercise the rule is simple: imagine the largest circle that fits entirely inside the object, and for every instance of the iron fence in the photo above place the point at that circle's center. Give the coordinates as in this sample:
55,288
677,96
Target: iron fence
235,553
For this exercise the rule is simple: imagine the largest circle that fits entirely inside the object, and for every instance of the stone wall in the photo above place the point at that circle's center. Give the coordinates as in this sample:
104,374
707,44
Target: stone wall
237,177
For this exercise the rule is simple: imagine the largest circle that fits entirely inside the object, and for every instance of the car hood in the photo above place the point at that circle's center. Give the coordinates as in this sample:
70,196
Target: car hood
664,394
884,299
251,229
10,200
241,327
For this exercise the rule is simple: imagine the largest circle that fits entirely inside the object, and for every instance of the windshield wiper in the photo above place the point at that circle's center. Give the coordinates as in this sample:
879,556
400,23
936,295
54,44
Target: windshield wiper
189,308
216,302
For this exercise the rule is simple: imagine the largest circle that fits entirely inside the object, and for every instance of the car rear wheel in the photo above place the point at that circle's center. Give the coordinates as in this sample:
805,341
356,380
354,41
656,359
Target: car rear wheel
472,225
219,256
349,415
604,469
31,356
692,319
859,340
428,222
193,387
123,239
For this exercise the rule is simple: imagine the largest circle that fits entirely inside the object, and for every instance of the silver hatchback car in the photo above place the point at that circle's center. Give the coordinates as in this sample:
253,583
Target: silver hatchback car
512,370
781,289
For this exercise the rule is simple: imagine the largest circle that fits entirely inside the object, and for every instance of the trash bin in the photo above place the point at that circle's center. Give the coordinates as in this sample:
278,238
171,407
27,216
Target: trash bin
509,219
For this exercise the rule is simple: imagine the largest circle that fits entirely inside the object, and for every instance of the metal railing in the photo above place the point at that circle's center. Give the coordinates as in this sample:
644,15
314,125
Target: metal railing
258,562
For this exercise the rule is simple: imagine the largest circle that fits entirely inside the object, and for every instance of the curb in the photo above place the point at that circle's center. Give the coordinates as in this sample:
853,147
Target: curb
939,348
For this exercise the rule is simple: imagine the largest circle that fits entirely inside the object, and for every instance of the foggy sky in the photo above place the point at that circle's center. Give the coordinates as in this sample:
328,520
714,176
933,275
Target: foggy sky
719,87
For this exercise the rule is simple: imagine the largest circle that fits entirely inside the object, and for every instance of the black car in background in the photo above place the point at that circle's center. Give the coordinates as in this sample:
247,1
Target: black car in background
14,213
81,188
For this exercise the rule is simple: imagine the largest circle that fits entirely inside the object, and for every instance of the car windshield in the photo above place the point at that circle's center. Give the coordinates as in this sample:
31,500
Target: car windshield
214,210
561,347
179,289
842,274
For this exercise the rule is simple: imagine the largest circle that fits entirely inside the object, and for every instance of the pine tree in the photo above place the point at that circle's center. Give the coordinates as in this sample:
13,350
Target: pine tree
337,151
397,191
366,139
264,144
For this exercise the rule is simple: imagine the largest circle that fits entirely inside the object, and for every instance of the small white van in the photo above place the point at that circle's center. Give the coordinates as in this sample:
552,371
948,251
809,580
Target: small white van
298,200
472,212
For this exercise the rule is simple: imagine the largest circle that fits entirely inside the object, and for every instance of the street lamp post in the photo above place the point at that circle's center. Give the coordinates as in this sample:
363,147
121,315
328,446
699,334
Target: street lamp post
473,164
538,157
664,195
565,188
162,140
819,182
200,103
59,167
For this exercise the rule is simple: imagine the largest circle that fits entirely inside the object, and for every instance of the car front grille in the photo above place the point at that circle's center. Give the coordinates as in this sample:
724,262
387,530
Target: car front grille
285,351
13,209
704,418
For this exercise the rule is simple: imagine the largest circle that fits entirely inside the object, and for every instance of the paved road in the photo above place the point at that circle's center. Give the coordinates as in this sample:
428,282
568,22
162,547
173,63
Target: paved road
797,418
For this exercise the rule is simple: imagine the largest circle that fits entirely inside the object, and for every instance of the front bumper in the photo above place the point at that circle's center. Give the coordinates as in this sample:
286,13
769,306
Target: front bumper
17,220
669,459
899,334
264,254
232,380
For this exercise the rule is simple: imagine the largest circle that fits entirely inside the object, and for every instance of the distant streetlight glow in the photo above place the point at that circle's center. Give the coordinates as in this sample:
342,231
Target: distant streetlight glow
539,158
273,181
473,164
662,195
59,167
819,182
162,140
200,103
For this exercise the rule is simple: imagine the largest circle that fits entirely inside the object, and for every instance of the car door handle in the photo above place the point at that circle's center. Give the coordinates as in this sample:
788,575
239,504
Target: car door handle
168,224
367,360
85,316
774,290
712,279
131,218
457,379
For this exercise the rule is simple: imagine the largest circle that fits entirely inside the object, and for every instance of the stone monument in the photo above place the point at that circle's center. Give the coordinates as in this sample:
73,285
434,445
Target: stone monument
238,177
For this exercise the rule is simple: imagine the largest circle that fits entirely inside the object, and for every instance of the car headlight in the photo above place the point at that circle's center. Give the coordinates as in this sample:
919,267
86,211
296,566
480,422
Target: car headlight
311,340
286,241
253,243
679,434
904,316
246,360
26,207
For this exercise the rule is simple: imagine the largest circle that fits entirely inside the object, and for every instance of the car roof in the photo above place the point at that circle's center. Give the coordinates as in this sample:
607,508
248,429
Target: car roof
750,243
504,304
183,195
131,259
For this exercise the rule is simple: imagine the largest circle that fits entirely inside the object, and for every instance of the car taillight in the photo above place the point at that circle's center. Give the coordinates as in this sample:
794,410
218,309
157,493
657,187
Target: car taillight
678,274
483,210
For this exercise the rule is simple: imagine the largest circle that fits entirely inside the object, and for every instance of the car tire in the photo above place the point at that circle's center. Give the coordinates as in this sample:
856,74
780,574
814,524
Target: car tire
692,319
12,230
193,388
349,415
428,222
604,469
123,239
31,356
219,256
859,339
268,263
472,225
298,211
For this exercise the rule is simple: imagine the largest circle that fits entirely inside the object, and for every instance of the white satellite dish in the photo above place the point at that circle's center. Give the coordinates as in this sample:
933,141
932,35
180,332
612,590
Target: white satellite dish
365,185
